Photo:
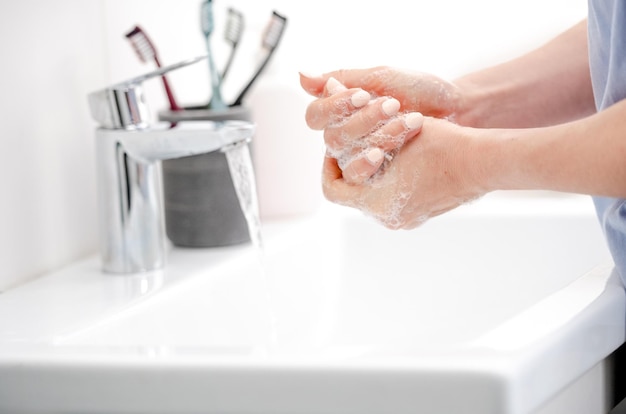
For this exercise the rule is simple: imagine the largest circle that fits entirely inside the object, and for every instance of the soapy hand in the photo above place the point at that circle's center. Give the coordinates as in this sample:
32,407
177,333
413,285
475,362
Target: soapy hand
415,91
427,177
360,131
374,114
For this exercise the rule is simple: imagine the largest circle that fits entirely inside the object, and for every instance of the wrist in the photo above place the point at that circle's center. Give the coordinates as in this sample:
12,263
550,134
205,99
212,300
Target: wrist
517,159
491,158
473,103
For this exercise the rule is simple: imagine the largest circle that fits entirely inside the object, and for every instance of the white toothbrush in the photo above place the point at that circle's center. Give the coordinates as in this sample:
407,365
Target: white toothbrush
232,35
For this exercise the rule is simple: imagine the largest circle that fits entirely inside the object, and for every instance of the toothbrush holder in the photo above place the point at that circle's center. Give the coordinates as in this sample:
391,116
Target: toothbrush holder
201,205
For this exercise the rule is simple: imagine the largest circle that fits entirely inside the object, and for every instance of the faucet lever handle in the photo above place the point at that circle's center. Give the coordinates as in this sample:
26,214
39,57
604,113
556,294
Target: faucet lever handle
122,105
158,72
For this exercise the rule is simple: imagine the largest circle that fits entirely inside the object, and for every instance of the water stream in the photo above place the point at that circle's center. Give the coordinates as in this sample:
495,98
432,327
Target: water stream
244,181
242,174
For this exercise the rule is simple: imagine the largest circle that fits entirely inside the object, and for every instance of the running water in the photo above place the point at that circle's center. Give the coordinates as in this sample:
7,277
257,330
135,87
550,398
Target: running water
242,174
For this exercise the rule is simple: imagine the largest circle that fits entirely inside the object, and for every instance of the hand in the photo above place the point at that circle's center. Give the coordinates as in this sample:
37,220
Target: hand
427,177
359,130
415,91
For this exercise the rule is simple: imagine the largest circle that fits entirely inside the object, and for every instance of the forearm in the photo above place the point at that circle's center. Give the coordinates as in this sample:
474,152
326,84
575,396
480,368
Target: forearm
587,156
548,86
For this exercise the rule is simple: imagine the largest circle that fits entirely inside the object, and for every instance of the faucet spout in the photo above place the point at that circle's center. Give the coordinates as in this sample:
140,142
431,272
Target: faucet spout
130,195
129,148
165,141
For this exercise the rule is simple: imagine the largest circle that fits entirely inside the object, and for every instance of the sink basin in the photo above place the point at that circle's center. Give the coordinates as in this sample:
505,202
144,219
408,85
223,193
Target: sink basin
494,308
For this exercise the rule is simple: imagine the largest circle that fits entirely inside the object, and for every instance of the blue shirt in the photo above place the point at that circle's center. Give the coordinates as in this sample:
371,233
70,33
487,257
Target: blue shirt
607,59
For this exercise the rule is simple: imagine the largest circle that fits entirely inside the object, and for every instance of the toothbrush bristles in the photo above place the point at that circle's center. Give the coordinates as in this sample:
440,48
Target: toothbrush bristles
271,37
141,44
146,51
207,18
274,31
234,26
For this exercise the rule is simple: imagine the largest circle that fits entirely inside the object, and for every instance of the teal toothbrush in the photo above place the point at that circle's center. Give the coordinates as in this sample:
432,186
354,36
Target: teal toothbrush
207,28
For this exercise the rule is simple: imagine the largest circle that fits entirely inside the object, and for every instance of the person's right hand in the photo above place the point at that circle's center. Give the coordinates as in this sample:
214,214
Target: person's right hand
433,173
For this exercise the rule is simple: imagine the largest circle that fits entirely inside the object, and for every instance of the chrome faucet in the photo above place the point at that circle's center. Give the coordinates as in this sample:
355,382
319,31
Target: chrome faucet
129,150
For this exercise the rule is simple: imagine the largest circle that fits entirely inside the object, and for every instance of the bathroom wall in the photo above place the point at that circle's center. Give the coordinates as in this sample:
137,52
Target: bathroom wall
54,53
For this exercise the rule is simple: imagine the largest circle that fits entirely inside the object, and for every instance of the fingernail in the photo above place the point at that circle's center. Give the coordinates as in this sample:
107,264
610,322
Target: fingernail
414,120
360,98
310,75
391,107
333,86
374,156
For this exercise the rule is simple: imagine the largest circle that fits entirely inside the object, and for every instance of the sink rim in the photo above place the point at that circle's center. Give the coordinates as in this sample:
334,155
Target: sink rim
477,372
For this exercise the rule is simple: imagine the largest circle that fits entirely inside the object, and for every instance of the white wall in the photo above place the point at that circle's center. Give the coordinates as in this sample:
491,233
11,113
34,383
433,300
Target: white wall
54,53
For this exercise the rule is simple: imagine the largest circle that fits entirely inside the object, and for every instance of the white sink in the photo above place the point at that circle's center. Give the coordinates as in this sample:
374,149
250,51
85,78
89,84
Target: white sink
495,308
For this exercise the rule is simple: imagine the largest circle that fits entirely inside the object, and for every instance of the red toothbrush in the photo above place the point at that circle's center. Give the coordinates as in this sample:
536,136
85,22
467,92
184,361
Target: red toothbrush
146,51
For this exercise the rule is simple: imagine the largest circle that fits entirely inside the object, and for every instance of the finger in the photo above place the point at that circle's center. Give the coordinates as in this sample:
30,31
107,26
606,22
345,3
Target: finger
359,163
362,167
312,84
335,109
335,188
361,123
395,133
333,86
371,79
317,85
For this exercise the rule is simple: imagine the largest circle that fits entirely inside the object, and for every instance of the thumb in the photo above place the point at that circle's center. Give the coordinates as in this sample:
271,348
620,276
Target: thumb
362,167
313,85
335,188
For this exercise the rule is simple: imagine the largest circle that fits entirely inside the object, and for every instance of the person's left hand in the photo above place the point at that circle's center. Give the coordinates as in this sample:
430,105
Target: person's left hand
428,176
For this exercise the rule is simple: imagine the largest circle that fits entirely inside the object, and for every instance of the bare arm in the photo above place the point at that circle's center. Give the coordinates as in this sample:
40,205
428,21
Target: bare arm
585,156
547,86
448,165
526,124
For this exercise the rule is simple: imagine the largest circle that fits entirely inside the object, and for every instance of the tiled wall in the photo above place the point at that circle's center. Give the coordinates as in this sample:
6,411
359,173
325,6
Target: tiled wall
53,53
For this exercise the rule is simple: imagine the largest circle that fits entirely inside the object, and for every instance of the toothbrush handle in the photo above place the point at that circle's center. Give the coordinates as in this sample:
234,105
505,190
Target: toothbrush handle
228,62
243,93
216,100
170,96
166,85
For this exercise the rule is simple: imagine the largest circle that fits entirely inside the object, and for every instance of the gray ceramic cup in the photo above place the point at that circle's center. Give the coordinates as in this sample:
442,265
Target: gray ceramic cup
201,205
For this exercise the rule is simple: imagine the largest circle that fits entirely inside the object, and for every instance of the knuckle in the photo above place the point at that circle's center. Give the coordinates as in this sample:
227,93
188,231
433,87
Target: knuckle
314,116
327,191
334,138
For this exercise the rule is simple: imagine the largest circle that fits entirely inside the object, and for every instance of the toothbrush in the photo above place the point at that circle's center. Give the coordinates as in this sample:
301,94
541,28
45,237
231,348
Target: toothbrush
146,51
216,101
271,37
232,35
